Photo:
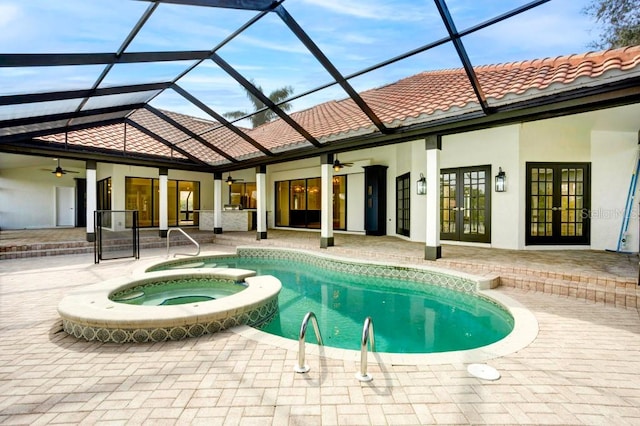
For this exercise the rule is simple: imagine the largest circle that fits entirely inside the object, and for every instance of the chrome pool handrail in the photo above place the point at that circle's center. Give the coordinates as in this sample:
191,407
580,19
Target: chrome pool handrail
188,237
301,367
367,335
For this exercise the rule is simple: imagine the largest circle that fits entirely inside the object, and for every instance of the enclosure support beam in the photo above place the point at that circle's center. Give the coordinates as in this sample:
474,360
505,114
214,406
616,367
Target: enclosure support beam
217,203
92,199
261,204
326,212
163,200
433,250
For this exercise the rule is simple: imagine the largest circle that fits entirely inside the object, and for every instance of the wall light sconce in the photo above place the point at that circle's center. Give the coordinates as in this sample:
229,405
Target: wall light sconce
421,185
501,181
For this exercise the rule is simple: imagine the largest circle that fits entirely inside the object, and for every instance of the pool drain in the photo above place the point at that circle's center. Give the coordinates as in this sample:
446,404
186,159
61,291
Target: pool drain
483,371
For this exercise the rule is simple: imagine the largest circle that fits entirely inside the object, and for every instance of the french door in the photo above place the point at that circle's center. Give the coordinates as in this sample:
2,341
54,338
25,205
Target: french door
558,203
465,204
403,205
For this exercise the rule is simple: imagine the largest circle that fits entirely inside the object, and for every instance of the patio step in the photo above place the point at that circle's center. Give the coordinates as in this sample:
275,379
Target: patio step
82,247
614,291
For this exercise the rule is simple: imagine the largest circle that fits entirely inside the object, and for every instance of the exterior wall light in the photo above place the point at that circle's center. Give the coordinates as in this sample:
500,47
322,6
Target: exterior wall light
501,181
421,185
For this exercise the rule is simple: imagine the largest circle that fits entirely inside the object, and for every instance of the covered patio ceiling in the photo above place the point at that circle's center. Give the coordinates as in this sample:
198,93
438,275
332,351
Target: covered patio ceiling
187,85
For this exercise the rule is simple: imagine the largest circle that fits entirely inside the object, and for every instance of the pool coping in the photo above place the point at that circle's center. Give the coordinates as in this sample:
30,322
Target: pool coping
91,314
524,332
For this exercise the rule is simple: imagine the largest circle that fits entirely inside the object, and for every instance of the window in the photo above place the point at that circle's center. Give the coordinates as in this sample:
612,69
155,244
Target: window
104,194
465,204
558,203
244,195
183,201
299,202
403,205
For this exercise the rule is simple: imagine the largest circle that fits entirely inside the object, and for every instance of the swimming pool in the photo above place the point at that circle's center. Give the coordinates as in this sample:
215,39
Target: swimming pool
410,313
91,313
178,291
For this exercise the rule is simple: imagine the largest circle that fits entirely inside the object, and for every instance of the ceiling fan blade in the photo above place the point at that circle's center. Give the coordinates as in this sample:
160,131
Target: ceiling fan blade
69,171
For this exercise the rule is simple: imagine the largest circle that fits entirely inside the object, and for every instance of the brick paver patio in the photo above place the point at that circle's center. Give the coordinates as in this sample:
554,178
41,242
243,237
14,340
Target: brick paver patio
583,368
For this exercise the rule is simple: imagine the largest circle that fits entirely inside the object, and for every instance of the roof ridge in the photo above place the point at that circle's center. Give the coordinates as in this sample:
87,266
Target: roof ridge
569,58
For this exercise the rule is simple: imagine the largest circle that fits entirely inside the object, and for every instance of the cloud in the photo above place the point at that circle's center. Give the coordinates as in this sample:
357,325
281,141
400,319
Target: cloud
8,13
368,9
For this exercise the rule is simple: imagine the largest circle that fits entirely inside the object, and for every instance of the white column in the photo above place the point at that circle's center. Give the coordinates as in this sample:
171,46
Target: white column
261,202
217,203
92,199
326,200
163,202
433,249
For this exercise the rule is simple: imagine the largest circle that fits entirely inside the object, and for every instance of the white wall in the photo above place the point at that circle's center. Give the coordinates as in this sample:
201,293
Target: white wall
563,139
418,202
614,161
28,197
119,172
310,168
497,147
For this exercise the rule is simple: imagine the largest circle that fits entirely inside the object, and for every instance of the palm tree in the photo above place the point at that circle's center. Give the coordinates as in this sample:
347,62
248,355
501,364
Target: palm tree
266,115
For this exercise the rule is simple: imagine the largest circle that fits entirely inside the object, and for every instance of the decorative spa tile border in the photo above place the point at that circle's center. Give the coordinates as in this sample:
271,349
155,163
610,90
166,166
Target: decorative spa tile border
253,318
417,275
91,314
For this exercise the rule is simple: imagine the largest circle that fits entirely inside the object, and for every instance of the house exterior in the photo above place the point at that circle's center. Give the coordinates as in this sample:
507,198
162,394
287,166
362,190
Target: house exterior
564,131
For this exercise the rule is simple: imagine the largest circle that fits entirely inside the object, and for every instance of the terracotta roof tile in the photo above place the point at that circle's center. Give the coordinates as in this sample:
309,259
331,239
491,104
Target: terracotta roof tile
417,99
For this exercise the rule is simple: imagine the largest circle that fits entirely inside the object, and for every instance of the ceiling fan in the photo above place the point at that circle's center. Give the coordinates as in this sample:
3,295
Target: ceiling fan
337,165
231,180
59,171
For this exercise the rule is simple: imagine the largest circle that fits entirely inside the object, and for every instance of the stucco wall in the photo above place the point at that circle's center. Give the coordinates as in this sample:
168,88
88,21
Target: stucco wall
28,197
614,161
310,168
497,147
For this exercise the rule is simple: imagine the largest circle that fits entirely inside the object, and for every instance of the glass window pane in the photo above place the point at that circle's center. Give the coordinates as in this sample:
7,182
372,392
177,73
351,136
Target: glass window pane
20,80
560,27
107,101
12,112
356,34
282,203
298,195
138,193
423,85
147,72
314,201
281,66
174,27
69,26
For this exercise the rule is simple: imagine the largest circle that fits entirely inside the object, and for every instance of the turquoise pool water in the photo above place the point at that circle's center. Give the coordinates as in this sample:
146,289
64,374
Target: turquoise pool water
177,292
406,320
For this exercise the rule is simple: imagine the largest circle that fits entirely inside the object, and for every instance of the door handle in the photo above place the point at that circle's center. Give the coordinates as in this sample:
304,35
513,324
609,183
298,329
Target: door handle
556,208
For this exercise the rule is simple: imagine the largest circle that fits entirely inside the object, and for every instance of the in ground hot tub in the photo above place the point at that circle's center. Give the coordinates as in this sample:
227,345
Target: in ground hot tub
217,299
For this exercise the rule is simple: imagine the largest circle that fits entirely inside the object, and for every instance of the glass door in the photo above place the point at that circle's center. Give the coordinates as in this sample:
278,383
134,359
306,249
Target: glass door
465,204
558,203
403,205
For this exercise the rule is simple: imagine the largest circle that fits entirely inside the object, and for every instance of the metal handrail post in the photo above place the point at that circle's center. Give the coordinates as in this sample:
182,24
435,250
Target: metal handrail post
367,336
188,237
301,367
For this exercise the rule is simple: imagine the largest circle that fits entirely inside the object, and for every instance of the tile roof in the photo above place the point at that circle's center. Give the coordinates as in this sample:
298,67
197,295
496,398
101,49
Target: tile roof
421,98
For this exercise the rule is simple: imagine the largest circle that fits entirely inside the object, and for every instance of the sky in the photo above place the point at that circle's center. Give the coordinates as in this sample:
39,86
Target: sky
353,34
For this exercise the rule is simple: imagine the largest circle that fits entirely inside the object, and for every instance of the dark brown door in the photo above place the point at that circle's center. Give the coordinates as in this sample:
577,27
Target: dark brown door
465,204
558,203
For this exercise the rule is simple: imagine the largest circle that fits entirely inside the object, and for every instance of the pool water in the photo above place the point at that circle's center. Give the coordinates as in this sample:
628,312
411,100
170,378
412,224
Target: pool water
177,292
431,319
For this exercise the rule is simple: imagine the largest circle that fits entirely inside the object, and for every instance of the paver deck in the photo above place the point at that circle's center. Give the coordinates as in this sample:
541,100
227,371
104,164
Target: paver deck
582,368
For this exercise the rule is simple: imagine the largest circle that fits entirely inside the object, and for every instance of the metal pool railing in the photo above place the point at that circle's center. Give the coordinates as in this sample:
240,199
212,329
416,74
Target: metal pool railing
186,235
367,335
301,367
